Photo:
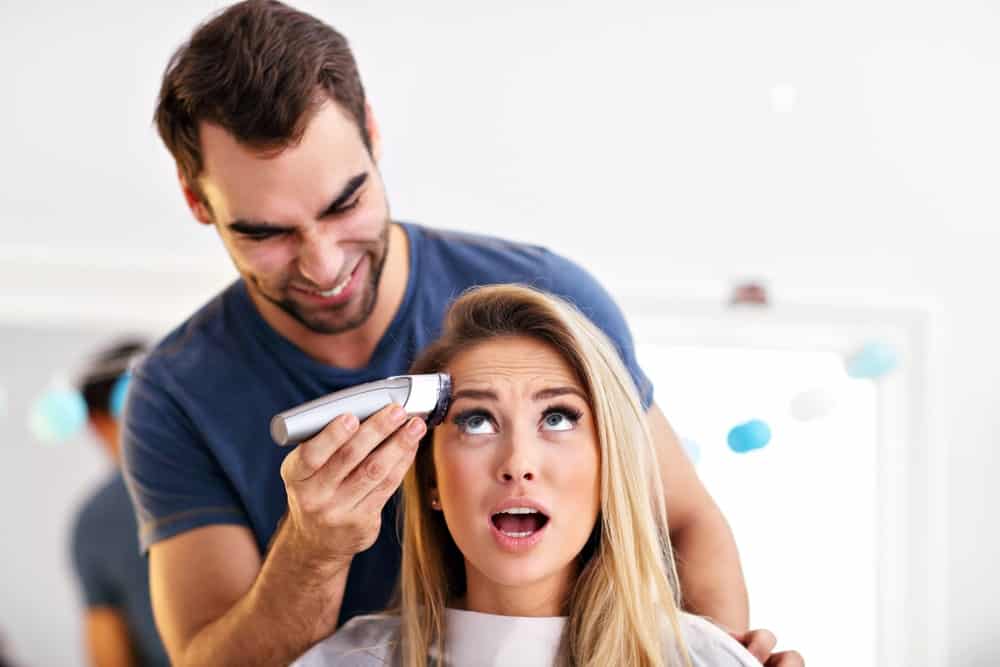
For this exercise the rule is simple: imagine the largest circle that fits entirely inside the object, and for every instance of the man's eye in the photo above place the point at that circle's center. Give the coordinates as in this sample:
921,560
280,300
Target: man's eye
261,235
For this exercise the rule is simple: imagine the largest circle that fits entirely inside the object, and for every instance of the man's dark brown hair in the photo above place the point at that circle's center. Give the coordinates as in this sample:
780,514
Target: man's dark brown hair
260,70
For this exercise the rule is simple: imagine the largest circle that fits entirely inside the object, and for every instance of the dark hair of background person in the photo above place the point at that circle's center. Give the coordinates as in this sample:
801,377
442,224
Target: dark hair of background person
260,70
99,377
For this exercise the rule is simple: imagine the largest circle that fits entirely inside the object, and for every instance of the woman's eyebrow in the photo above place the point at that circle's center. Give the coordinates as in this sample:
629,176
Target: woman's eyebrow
553,392
475,394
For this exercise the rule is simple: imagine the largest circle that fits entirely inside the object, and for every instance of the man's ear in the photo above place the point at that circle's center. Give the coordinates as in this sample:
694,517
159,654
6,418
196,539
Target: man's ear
199,209
374,138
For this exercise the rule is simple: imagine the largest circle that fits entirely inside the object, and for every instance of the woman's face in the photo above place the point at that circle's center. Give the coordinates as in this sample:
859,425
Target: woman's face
517,465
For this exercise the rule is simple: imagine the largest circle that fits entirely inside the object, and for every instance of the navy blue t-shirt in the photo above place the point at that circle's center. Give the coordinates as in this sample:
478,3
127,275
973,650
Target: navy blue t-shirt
110,570
196,443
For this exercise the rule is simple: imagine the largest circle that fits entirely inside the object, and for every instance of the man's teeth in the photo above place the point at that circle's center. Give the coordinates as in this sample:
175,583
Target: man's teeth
523,534
336,290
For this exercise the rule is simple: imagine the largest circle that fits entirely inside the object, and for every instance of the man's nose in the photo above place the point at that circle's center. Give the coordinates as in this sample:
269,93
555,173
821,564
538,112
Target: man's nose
320,259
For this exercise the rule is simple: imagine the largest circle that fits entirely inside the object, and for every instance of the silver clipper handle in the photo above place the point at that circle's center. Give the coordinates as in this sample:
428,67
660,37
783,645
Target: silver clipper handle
425,396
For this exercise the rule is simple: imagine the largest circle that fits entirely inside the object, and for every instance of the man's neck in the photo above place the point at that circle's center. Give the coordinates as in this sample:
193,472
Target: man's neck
354,349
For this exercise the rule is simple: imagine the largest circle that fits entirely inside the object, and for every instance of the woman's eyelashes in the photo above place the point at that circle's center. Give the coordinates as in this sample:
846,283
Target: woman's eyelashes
481,422
475,422
560,418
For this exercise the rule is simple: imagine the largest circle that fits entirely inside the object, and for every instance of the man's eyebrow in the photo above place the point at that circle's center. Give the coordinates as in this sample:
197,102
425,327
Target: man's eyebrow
345,194
553,392
244,226
248,226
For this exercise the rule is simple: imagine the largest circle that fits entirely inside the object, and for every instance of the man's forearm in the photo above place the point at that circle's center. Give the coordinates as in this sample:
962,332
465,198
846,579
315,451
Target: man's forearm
292,605
708,566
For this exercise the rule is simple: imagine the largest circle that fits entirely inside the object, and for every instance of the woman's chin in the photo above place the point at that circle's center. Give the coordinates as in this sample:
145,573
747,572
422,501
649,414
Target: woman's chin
513,573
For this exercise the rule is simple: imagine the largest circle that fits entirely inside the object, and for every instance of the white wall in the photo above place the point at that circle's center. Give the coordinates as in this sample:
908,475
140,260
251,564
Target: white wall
641,138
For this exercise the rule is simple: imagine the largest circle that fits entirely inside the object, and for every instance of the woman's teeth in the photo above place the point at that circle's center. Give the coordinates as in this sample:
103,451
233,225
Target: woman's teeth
522,521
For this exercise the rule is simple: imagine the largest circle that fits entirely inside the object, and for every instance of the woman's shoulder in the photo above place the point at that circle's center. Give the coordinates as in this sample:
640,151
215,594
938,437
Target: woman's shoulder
364,641
708,644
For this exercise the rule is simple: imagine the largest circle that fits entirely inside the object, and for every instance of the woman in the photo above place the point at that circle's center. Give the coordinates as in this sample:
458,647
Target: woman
533,533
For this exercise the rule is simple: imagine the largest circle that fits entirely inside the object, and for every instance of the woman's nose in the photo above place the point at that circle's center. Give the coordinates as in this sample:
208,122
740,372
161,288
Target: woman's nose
509,476
518,464
320,259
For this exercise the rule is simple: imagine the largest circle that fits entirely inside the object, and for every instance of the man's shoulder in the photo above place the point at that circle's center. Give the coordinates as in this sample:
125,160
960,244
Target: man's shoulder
198,344
485,243
467,259
456,251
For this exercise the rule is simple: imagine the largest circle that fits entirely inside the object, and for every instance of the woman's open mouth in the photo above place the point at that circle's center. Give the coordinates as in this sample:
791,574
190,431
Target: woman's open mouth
518,527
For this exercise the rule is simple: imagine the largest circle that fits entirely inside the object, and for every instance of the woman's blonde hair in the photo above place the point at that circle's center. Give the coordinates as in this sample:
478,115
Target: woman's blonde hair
627,584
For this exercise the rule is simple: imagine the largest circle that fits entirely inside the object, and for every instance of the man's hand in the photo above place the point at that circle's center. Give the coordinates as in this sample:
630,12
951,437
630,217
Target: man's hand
339,481
217,603
760,643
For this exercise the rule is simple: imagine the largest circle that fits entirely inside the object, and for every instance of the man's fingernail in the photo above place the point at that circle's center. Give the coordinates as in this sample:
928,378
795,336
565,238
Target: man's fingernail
416,427
398,414
350,422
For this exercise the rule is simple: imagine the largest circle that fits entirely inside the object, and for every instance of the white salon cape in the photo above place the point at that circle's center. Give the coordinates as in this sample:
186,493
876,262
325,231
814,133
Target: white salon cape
485,640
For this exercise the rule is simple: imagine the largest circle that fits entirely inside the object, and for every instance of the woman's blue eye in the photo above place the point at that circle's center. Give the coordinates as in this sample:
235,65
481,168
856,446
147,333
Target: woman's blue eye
476,425
559,421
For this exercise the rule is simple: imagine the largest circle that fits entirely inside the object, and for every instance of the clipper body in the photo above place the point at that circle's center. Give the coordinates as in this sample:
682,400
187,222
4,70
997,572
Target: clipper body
426,396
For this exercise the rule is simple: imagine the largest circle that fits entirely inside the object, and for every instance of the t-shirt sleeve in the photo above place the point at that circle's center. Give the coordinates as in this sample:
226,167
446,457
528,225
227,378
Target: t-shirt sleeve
95,587
570,281
175,481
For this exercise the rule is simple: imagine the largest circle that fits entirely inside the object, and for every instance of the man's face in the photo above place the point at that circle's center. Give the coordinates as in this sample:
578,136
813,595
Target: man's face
307,226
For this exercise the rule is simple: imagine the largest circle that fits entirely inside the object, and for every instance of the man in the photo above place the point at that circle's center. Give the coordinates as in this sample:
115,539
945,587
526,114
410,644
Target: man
113,577
256,553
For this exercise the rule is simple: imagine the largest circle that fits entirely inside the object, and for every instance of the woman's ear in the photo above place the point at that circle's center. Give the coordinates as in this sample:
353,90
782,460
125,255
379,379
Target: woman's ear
434,496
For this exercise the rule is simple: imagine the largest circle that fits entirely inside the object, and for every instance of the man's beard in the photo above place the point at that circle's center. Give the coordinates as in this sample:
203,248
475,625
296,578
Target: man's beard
315,322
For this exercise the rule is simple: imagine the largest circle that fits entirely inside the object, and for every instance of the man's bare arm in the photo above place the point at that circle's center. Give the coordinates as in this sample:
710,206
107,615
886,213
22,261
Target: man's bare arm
708,563
217,602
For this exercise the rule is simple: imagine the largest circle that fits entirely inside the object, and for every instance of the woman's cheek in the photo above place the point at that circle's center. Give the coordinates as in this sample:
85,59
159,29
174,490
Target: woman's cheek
579,476
457,476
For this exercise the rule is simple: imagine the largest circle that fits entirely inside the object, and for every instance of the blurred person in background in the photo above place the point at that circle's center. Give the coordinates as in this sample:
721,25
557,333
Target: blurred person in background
112,574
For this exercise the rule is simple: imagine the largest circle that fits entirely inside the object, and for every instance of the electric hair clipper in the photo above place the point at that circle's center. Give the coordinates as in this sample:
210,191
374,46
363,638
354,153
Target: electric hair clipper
426,396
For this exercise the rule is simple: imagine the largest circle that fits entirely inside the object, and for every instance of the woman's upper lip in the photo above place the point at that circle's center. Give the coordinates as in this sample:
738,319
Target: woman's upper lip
520,501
